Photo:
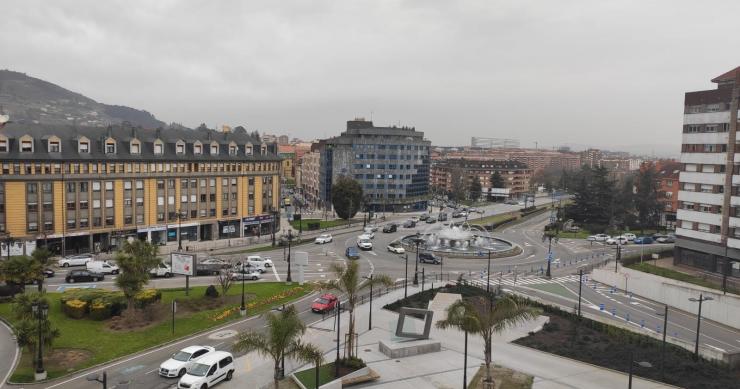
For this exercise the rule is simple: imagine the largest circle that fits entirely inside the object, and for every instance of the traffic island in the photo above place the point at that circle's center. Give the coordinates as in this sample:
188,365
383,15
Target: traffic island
95,338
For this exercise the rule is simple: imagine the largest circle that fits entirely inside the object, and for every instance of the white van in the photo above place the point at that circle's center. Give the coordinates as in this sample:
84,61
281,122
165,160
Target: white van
103,267
209,370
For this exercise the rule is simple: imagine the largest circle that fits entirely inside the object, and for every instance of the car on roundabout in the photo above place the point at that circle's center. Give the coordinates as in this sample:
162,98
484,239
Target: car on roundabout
429,258
396,248
246,274
208,370
409,224
630,236
178,364
388,228
598,238
364,243
327,302
617,240
643,240
368,234
323,239
352,253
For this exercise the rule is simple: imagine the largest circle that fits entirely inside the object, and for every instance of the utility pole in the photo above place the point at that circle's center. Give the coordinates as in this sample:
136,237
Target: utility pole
701,299
339,329
580,284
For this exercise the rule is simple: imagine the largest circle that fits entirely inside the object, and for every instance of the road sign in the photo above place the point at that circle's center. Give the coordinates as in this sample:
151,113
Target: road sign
601,307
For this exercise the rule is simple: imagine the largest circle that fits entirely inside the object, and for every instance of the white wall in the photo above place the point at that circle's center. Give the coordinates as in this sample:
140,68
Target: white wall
723,309
706,118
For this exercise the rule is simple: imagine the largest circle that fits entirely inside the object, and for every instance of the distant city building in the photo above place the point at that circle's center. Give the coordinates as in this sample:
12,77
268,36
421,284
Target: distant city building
515,175
535,159
708,217
494,143
308,178
591,158
391,164
283,140
667,180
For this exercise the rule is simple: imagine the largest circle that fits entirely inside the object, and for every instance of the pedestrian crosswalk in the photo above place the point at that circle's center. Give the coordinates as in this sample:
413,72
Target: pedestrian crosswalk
511,280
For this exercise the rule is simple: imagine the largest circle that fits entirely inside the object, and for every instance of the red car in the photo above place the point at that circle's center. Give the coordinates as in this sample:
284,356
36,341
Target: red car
326,302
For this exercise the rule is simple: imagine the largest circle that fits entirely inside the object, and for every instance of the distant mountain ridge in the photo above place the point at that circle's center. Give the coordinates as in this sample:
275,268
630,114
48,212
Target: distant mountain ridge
31,100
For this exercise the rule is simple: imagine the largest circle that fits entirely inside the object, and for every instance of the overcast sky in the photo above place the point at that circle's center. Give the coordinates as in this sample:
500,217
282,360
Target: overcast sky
587,73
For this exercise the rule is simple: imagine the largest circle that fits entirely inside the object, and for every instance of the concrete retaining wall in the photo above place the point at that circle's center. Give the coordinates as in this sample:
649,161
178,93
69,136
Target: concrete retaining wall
724,309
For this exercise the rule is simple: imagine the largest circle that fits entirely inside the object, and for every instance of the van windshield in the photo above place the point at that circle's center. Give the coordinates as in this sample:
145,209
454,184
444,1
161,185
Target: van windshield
199,370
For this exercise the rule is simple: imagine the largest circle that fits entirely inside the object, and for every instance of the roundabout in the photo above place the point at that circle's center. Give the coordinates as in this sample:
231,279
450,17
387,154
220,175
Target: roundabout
461,240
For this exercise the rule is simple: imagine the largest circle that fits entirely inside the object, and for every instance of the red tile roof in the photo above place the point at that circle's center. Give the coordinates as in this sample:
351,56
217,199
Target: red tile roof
729,76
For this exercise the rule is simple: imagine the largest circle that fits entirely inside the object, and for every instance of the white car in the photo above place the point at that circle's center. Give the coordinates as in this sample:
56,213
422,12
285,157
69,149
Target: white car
76,260
617,240
208,371
371,228
598,237
323,238
103,267
364,244
366,236
397,248
630,237
181,361
248,274
161,270
257,261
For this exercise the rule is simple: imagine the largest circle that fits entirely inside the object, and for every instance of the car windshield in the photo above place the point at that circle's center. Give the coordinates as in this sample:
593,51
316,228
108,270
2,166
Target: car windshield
181,356
199,370
322,300
324,236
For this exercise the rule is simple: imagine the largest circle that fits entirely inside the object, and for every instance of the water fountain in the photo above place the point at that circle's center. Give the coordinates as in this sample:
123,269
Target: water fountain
461,240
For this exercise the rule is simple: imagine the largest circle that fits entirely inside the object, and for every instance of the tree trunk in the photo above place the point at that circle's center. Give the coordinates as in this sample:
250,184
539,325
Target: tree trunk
487,353
40,284
351,330
276,374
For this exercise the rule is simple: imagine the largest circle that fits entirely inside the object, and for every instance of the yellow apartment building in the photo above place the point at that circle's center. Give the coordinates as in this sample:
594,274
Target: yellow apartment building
85,189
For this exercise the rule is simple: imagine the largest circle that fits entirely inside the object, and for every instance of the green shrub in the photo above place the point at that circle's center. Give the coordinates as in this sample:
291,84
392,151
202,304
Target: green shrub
211,292
75,309
147,297
100,310
352,363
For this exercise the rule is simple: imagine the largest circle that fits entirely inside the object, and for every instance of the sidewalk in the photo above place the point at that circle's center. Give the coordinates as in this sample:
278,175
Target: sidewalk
442,369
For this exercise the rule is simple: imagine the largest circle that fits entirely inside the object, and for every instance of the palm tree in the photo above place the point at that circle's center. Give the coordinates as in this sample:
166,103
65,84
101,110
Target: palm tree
282,340
20,270
135,259
42,256
349,282
486,317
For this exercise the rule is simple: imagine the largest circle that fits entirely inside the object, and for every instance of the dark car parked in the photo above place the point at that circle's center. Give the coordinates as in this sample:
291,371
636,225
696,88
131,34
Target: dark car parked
83,276
429,258
390,228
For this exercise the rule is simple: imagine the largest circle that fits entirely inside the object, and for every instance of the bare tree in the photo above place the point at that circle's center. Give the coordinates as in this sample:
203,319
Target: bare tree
224,282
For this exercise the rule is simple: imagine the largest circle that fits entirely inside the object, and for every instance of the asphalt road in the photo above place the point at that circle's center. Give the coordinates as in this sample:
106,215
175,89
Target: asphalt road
518,273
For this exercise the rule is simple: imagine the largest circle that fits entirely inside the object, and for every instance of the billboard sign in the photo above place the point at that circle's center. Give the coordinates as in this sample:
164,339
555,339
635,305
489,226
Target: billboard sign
182,263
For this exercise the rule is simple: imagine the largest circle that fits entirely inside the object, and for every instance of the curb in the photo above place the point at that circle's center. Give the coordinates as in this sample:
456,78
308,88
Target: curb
17,356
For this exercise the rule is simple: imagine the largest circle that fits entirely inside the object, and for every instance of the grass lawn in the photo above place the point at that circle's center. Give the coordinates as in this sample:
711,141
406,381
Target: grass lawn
322,223
308,376
105,344
494,219
503,378
677,275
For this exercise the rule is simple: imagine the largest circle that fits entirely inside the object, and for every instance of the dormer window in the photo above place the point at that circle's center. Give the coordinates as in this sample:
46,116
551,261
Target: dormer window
180,148
214,148
232,149
248,149
110,146
158,147
135,146
55,146
83,147
26,146
197,149
3,145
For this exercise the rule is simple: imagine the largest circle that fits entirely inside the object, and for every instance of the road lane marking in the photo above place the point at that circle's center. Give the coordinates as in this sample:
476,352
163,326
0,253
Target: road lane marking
274,270
716,348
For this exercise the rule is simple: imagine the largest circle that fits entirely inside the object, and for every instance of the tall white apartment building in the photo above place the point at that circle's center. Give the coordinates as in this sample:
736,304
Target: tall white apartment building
708,217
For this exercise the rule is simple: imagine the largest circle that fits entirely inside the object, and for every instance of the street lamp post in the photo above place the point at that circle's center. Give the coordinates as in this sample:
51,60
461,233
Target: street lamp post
243,307
488,273
632,363
406,278
549,256
290,238
417,240
370,317
580,284
698,322
662,348
40,310
96,378
465,362
180,216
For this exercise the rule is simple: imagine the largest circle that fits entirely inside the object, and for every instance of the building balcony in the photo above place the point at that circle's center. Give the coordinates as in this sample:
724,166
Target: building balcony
699,217
699,235
701,197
